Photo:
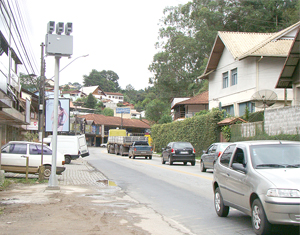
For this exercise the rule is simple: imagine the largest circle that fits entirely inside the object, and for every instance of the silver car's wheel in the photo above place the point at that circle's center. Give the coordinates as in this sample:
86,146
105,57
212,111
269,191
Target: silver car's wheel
259,220
202,167
220,208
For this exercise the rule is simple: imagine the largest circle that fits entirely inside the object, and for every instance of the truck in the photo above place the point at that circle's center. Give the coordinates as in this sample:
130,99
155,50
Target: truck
71,146
140,148
119,141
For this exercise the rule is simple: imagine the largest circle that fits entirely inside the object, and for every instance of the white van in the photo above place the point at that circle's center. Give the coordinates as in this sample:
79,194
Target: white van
71,146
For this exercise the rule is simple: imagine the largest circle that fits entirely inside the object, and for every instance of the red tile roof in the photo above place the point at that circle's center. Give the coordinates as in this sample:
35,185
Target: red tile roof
230,120
100,119
113,93
201,98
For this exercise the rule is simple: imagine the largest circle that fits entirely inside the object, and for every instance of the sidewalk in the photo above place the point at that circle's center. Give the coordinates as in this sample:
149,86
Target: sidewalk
78,173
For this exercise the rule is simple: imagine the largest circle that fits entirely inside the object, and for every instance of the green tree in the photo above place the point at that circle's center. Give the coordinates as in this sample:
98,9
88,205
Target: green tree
156,109
165,119
108,112
188,31
107,80
29,83
91,101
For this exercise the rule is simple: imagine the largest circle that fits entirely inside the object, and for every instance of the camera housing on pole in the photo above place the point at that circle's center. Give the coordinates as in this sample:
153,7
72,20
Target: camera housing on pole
59,44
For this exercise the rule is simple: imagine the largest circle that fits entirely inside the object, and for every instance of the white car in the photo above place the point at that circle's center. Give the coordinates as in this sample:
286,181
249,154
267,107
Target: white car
14,154
103,145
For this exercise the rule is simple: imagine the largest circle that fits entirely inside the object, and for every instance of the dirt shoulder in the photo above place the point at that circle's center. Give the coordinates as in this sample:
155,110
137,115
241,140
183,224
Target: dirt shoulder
78,210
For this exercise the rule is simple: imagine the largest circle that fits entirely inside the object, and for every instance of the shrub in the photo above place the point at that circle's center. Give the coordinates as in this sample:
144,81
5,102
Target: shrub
200,131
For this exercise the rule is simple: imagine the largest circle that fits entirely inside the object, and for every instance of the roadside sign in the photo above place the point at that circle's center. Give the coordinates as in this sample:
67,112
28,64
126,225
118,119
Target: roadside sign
123,110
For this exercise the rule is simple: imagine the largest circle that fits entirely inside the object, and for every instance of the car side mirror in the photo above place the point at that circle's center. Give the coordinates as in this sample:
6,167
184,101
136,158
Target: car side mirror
239,167
204,151
163,149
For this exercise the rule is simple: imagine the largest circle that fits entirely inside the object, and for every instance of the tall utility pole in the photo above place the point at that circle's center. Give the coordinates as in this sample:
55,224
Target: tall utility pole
41,95
42,110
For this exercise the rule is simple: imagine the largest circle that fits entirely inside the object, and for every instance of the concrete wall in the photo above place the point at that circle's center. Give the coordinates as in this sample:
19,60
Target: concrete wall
277,121
283,121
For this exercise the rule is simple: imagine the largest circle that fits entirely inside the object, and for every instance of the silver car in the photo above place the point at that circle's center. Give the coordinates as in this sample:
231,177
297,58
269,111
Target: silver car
261,179
210,156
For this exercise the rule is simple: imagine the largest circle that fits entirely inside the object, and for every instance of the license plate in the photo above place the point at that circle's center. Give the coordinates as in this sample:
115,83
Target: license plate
184,152
143,152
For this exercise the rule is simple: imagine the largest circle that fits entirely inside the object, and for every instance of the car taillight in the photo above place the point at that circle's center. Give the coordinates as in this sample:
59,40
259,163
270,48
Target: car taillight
219,153
63,162
151,149
78,152
172,150
194,151
134,149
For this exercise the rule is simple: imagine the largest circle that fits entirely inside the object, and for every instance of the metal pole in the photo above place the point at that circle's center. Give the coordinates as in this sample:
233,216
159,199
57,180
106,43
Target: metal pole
41,111
53,182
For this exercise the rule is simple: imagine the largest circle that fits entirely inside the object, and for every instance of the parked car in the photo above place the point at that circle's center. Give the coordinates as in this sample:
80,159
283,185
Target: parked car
140,148
261,179
71,146
210,156
14,153
178,152
103,145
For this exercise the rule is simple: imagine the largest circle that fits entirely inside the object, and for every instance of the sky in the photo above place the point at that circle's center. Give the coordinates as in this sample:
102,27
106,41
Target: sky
117,35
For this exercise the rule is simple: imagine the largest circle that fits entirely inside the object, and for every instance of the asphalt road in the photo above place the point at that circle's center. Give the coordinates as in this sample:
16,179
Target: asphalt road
178,192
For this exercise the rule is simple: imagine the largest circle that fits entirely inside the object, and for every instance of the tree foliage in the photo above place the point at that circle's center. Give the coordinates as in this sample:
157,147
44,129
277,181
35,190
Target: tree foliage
188,31
91,101
108,80
156,109
108,112
29,83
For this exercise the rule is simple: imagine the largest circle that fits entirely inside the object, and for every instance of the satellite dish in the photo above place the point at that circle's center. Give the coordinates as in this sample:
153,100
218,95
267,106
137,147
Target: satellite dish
264,98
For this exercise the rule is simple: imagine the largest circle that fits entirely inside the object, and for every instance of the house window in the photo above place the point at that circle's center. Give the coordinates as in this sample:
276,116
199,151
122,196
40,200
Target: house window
234,77
229,109
225,80
242,108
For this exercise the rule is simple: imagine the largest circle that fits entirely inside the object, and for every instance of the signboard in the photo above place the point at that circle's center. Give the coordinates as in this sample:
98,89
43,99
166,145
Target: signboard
123,110
63,107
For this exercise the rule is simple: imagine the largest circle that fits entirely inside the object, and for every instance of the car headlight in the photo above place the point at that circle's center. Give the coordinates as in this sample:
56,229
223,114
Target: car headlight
275,192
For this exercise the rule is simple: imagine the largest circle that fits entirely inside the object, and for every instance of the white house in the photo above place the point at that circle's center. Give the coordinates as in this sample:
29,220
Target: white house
102,95
242,64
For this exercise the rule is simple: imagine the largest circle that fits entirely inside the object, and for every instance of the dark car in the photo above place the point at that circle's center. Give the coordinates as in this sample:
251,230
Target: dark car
178,152
210,156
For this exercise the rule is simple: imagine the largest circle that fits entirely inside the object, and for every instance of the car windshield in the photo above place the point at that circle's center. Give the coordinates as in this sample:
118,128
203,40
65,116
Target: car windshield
275,156
182,145
223,146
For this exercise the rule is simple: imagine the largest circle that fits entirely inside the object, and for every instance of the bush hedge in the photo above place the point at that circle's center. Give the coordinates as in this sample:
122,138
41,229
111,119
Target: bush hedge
200,131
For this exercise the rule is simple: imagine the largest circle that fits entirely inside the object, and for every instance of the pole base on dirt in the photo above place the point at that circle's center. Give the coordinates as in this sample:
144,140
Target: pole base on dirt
53,188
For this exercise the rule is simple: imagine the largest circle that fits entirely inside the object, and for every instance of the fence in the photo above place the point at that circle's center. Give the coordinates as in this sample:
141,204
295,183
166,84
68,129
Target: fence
283,122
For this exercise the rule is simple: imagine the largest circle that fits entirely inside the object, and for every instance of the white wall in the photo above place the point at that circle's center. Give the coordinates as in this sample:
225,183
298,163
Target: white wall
249,80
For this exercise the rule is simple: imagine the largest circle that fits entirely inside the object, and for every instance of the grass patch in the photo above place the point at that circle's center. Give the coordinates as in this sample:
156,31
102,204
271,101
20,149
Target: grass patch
11,181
